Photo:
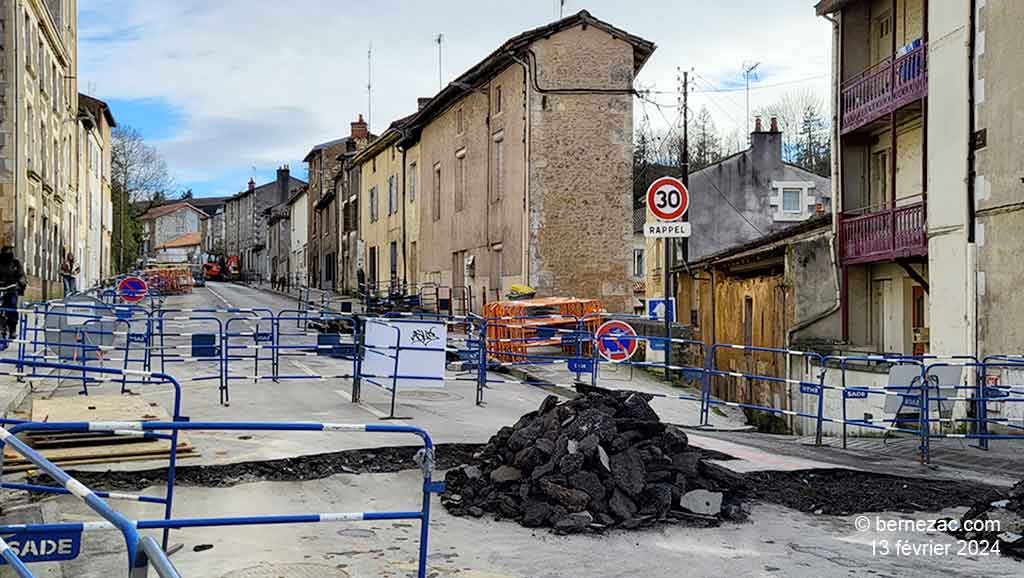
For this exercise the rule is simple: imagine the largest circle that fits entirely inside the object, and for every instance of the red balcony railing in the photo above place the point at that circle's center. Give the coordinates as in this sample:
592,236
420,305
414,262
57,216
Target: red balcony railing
883,88
883,235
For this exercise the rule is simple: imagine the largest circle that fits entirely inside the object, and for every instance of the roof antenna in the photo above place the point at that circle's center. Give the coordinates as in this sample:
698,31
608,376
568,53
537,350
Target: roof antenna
369,84
440,68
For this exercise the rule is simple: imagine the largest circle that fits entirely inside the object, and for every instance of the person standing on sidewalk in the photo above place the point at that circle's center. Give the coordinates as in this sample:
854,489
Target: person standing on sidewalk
68,271
12,284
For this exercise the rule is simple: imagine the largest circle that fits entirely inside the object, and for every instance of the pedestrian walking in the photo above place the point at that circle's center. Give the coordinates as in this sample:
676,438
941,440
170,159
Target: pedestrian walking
12,285
69,271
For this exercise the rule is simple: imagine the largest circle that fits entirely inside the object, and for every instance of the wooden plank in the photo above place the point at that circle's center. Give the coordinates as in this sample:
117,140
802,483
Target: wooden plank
110,453
97,408
31,468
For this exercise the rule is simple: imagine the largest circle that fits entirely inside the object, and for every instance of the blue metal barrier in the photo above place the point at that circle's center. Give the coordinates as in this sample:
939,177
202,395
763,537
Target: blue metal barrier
130,528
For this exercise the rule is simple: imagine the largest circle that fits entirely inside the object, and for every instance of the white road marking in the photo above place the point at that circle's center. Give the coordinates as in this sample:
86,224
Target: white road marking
219,296
348,397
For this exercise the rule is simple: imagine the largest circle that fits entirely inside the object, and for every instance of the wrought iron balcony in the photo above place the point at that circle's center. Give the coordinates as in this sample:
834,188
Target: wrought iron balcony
887,86
883,235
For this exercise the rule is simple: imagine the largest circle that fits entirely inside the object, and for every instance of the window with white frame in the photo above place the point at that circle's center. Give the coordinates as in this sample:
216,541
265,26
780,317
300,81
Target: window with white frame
792,200
373,204
638,262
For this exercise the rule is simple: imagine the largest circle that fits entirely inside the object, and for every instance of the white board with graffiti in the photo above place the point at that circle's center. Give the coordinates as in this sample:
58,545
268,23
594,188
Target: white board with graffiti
421,357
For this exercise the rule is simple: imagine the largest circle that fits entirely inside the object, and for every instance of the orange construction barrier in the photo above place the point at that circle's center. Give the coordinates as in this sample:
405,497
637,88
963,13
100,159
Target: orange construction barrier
515,326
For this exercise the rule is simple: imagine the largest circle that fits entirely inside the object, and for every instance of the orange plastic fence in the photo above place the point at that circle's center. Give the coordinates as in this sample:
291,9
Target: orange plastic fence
514,326
169,280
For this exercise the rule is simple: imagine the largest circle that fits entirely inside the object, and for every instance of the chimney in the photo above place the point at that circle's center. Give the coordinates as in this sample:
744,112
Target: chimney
252,184
359,129
283,180
766,147
421,102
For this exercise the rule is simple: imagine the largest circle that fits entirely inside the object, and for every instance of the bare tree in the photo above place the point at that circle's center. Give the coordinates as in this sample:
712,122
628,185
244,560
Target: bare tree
137,168
138,174
705,141
805,129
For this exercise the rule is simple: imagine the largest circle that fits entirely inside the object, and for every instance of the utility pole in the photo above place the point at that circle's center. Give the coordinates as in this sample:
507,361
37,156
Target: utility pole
440,68
669,247
747,71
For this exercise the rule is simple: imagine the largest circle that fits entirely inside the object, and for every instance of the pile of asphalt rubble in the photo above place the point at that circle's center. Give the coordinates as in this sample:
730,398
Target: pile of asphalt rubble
1008,512
603,460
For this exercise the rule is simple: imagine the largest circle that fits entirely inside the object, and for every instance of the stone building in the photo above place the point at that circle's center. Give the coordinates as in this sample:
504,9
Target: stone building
324,163
40,146
522,171
246,223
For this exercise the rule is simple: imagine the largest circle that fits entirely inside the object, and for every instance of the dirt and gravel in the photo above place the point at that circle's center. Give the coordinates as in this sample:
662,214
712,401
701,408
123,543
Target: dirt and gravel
996,519
602,460
839,492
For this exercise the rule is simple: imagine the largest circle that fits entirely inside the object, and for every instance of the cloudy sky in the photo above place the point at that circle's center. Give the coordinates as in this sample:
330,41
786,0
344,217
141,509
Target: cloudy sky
234,88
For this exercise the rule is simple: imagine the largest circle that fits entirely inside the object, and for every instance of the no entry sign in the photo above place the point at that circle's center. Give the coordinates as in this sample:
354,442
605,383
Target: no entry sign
616,341
132,289
668,199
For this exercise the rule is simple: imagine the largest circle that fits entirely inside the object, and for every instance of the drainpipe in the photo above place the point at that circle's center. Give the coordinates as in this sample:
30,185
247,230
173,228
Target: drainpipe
526,171
972,248
405,256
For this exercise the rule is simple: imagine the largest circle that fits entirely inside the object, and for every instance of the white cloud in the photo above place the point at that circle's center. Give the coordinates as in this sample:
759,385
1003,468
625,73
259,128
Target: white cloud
261,81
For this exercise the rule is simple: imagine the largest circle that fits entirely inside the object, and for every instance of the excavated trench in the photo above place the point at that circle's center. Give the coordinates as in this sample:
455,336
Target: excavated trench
826,491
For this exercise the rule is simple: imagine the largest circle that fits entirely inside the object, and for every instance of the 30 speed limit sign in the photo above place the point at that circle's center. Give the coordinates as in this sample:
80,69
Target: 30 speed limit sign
668,199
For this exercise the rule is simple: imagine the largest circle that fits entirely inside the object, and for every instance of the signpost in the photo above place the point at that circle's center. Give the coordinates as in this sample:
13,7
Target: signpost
132,289
616,341
668,200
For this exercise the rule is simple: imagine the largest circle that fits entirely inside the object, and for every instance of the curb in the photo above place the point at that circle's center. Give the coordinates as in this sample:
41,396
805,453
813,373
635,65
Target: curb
12,394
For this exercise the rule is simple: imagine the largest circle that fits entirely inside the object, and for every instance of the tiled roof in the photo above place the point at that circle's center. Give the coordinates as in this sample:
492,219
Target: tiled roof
157,212
186,240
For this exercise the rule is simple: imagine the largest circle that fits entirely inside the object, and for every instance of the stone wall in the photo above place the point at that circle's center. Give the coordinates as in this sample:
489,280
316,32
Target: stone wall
581,147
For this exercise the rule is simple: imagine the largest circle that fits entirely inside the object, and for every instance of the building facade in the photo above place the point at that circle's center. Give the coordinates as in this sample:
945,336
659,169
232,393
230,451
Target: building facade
279,246
214,229
929,173
325,163
298,216
522,172
40,149
384,225
246,222
92,214
170,225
